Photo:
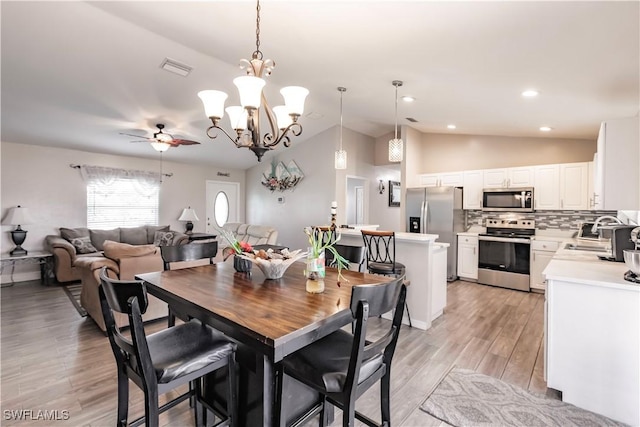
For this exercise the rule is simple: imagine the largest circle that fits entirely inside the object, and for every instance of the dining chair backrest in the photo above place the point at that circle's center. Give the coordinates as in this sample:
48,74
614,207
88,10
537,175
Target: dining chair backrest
353,254
188,252
128,297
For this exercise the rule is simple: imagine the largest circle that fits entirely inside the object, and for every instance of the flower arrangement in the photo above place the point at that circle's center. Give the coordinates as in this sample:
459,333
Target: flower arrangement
321,240
281,184
235,247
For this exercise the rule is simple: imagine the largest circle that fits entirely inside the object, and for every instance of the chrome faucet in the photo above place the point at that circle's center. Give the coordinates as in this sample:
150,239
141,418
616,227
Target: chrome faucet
594,229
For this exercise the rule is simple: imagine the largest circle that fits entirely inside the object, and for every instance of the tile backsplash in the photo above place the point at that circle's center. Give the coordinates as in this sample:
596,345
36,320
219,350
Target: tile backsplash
561,220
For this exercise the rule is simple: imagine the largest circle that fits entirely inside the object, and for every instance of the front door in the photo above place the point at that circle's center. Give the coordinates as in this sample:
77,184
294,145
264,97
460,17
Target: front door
223,204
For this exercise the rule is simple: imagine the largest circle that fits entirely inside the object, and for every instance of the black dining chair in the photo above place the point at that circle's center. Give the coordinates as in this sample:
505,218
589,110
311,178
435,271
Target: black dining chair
353,254
160,362
342,365
186,253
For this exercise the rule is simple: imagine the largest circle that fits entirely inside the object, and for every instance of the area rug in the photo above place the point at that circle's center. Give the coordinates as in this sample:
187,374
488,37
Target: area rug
466,398
73,292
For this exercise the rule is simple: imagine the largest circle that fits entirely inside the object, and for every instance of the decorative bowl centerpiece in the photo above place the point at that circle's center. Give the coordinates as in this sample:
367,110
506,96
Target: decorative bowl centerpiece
273,264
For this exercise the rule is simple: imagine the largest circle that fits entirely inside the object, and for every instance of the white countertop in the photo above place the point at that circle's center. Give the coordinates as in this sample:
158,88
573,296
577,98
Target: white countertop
585,267
400,236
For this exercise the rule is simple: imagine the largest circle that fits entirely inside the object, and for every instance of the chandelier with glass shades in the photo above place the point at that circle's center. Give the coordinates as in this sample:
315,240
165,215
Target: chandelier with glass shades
245,119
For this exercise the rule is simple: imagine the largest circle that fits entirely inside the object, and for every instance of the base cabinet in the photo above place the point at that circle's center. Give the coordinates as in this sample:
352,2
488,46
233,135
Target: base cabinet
468,257
541,253
593,347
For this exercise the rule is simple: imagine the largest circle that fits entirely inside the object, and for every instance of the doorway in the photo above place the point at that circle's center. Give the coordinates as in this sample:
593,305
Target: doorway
223,204
357,200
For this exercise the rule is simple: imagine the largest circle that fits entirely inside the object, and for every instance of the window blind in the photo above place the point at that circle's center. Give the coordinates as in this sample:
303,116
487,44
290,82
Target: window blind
120,203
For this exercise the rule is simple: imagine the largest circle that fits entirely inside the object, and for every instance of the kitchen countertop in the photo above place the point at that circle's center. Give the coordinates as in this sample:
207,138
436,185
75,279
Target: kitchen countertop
400,236
585,267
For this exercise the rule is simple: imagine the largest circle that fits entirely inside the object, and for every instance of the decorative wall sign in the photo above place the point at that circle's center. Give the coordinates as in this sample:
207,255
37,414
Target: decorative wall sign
280,177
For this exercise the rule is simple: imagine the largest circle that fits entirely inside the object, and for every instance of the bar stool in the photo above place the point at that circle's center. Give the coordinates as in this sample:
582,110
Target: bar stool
380,248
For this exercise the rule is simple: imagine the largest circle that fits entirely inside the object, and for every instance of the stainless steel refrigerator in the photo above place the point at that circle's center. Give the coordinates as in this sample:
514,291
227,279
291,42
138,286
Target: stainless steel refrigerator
437,210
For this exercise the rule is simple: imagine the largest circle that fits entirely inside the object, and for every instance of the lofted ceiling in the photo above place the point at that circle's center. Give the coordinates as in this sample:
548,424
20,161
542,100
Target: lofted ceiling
77,74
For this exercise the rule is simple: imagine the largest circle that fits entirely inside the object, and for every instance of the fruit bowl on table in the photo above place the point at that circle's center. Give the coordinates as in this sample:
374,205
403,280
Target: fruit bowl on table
274,264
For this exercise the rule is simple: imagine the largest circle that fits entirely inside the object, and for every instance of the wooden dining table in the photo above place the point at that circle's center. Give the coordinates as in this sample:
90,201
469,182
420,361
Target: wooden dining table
274,318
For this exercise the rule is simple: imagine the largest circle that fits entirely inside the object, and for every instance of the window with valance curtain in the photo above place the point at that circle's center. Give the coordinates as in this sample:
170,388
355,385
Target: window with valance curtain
120,197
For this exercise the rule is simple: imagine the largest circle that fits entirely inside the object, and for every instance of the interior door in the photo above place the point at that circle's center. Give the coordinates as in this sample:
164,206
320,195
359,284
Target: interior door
223,204
359,205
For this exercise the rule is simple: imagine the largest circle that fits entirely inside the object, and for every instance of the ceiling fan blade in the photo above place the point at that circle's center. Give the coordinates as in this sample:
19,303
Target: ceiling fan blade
138,136
183,142
140,141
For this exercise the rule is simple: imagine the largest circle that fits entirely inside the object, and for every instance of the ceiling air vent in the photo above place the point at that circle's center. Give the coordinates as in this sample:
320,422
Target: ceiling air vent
412,120
175,67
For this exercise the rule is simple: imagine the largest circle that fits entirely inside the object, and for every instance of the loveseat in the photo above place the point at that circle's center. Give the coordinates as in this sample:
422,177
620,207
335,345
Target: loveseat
136,251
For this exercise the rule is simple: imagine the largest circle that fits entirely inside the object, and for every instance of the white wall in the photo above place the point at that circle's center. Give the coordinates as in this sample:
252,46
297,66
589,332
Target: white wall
40,178
310,202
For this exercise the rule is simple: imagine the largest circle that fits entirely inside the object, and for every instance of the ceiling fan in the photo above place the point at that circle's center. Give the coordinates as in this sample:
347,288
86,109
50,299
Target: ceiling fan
163,141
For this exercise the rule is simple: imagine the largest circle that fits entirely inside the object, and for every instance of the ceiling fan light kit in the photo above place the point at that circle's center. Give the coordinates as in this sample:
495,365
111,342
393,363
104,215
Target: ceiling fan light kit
245,119
161,141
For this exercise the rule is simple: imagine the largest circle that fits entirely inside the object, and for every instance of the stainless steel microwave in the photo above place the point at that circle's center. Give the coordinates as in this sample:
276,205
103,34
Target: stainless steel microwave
508,199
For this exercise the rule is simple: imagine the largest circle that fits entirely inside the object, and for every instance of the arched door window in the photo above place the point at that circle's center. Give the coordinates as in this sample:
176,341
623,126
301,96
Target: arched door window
221,209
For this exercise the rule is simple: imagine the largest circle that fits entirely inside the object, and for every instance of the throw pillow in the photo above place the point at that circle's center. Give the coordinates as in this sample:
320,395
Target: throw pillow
164,238
73,233
151,231
117,250
83,245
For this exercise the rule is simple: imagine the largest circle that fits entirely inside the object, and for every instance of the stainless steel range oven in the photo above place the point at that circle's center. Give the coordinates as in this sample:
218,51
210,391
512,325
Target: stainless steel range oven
504,253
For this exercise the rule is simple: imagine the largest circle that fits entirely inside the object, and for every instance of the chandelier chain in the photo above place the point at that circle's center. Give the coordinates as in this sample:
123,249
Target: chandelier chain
257,54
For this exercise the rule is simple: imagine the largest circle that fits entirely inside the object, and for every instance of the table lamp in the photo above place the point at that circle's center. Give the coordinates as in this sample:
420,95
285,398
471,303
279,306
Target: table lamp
18,216
189,215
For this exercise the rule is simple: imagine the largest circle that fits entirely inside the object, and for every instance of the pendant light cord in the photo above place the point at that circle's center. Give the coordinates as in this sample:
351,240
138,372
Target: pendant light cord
341,92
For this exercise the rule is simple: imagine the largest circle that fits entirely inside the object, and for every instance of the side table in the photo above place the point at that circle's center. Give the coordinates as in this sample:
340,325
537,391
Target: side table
44,259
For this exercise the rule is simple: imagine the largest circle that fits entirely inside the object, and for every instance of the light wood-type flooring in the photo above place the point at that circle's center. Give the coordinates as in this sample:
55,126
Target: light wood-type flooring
53,359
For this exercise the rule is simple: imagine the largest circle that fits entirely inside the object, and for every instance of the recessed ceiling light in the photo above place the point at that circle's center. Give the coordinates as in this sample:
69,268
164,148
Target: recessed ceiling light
530,93
451,126
407,98
545,129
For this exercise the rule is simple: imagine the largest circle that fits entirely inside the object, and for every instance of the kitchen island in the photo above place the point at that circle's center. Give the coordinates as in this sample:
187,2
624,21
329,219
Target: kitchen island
426,262
592,334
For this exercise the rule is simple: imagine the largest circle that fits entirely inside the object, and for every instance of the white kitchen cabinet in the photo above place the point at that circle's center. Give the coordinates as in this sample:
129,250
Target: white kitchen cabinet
617,172
472,190
591,183
541,253
546,194
448,179
508,177
468,257
574,186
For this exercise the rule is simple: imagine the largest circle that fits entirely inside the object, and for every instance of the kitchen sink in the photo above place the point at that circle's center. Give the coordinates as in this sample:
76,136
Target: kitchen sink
587,248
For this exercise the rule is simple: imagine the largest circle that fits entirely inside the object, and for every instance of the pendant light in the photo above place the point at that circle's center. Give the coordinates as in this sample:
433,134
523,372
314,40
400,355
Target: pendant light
341,155
396,144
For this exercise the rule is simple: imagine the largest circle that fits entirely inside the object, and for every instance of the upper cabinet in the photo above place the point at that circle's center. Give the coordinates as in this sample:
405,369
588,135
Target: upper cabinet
508,177
546,194
617,174
449,179
472,191
574,186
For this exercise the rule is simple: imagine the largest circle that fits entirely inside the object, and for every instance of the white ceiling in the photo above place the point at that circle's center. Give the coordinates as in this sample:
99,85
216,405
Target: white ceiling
76,74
